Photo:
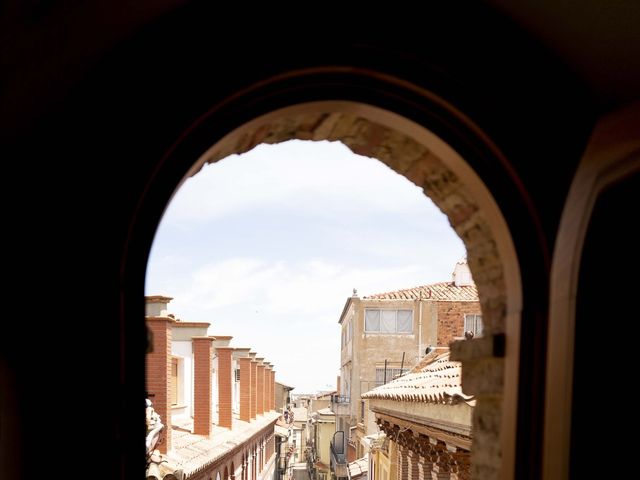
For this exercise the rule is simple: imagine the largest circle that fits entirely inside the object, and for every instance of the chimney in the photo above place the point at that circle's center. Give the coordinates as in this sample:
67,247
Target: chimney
254,385
224,386
156,305
260,388
267,386
202,385
462,274
158,364
245,388
273,389
239,383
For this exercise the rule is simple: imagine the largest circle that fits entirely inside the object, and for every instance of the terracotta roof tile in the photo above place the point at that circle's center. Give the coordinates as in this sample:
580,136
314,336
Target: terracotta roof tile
358,468
442,291
194,453
435,379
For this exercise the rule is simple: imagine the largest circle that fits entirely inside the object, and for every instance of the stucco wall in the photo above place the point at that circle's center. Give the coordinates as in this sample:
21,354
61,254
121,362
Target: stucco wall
184,352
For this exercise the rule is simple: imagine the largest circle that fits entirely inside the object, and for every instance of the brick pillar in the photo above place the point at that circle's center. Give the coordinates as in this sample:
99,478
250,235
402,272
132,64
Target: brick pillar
463,461
441,467
424,468
273,389
431,455
260,391
202,387
267,389
254,387
158,364
412,465
402,463
224,386
245,389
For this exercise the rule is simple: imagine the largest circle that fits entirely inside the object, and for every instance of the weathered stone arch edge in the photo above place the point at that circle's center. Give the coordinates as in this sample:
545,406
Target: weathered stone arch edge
499,230
612,154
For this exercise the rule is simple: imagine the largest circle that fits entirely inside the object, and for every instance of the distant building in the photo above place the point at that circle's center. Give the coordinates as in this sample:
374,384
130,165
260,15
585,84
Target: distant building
383,335
217,402
321,400
283,396
322,426
299,433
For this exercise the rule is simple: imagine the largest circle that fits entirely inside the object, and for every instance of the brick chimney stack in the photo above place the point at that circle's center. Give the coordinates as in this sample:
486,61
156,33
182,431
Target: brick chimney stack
267,386
158,363
260,387
225,418
222,365
273,389
202,385
245,388
254,385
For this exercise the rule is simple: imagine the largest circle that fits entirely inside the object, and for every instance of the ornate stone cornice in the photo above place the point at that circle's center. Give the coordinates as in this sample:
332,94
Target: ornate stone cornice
397,428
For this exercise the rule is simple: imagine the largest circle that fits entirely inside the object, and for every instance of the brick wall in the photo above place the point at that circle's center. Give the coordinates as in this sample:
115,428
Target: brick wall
202,388
254,388
267,389
273,389
158,364
245,389
260,391
451,319
224,386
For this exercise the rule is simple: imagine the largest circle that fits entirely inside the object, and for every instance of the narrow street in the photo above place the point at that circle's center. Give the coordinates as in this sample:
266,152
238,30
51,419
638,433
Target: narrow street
299,471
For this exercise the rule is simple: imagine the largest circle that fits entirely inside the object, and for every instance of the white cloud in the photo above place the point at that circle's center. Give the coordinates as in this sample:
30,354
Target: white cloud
269,254
301,171
315,289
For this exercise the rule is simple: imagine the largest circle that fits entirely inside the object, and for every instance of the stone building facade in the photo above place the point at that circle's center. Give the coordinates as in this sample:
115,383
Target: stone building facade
383,335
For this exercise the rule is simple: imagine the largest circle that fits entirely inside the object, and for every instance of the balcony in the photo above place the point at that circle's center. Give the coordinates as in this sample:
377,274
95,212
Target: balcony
340,405
339,464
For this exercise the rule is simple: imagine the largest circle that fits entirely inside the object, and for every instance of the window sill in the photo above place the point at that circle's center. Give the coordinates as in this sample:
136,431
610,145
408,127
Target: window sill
176,407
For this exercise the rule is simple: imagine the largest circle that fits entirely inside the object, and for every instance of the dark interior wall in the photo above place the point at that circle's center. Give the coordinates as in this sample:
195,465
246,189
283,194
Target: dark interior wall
605,345
87,179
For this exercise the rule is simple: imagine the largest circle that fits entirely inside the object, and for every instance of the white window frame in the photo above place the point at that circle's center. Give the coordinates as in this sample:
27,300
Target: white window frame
395,331
473,322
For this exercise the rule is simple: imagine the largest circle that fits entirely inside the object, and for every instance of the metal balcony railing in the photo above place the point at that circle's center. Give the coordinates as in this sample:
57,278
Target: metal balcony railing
338,463
340,405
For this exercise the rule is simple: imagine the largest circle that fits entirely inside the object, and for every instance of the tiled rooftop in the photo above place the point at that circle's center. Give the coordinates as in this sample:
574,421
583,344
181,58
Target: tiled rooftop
442,291
435,379
193,453
358,468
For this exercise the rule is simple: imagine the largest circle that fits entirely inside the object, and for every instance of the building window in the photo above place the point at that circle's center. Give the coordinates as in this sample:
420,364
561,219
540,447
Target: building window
347,332
473,323
391,374
388,321
362,411
174,381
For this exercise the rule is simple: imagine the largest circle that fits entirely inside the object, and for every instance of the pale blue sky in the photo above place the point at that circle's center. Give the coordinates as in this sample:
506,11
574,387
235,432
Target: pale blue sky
267,247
